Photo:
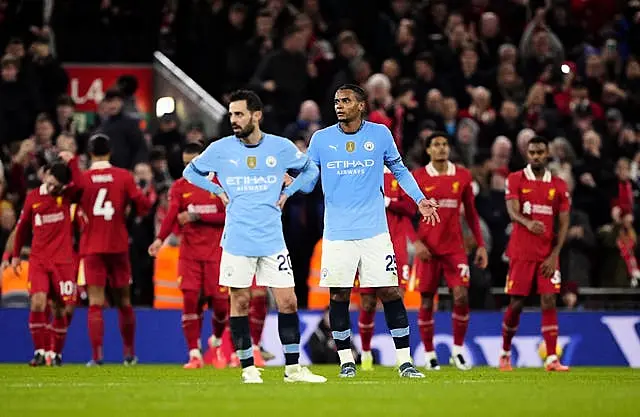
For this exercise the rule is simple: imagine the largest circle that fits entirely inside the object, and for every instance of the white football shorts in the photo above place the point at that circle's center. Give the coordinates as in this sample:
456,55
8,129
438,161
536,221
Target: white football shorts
373,258
270,271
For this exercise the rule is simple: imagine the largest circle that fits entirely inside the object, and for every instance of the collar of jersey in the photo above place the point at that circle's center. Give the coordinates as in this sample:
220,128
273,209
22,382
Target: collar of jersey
100,165
352,133
251,146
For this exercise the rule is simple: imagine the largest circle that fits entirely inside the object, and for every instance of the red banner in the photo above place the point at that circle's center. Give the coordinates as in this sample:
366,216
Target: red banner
89,82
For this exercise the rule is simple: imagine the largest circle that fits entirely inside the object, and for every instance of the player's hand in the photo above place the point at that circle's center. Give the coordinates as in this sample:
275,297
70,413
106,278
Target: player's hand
549,265
186,217
4,265
429,210
225,198
283,199
482,258
422,251
536,227
15,264
288,179
155,247
66,156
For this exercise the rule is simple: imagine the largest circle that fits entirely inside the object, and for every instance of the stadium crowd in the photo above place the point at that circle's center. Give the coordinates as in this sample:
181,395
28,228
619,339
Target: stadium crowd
491,74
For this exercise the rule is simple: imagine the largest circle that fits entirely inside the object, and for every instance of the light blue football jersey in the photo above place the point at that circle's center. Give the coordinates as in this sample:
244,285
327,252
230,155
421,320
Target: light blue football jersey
352,175
252,177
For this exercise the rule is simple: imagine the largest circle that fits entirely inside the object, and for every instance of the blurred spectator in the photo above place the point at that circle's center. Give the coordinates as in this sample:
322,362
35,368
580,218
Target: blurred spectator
158,159
308,122
170,138
18,103
127,144
128,85
51,78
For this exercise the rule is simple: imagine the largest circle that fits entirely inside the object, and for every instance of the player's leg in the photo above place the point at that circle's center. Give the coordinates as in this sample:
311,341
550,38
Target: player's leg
456,272
119,268
96,279
190,283
257,316
548,287
219,304
236,272
63,302
368,302
428,274
378,270
275,271
38,326
340,259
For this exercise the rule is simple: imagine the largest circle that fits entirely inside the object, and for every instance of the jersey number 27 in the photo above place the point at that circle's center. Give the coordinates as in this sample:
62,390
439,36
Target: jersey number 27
103,207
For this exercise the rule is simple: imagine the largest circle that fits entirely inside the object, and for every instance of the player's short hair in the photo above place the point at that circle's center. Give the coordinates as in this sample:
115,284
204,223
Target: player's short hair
253,100
61,172
192,148
360,94
99,145
435,135
539,139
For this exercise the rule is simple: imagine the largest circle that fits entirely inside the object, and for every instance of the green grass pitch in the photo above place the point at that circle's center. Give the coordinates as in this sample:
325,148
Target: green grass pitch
148,390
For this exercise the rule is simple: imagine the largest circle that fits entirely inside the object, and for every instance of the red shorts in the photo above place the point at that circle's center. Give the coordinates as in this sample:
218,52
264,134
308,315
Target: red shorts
112,266
521,275
56,280
200,275
454,267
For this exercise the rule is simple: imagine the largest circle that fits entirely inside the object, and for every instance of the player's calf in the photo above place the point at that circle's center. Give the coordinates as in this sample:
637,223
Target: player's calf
460,323
38,328
366,327
425,325
396,316
341,329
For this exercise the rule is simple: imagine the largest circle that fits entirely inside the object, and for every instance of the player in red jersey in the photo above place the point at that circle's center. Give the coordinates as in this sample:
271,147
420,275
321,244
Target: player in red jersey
440,248
400,210
201,217
47,213
107,190
534,199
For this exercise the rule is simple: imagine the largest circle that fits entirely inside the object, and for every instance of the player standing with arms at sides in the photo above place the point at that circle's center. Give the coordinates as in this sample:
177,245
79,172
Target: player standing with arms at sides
250,166
440,249
351,156
47,212
400,211
104,244
534,199
200,214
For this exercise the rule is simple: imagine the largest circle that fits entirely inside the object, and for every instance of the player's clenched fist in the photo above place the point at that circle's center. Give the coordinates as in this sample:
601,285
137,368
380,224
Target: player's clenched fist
154,248
429,210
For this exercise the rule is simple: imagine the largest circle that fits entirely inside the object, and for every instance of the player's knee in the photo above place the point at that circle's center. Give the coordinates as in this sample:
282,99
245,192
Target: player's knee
368,302
340,294
240,300
38,302
517,304
288,304
460,296
68,310
96,296
548,301
426,301
387,294
190,302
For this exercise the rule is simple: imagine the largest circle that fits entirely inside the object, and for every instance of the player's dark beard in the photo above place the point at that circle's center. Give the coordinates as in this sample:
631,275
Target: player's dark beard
244,133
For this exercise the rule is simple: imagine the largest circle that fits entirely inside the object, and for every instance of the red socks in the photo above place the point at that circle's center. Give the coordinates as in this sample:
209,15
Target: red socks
220,316
460,319
257,315
191,319
127,319
509,327
96,331
550,329
365,326
38,328
59,328
425,324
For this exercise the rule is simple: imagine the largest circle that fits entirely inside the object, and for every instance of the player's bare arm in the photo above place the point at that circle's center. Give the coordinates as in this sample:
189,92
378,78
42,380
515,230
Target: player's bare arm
534,226
549,265
422,251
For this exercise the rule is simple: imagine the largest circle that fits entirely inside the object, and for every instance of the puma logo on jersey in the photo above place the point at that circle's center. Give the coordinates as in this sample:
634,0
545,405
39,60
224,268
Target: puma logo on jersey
334,147
233,162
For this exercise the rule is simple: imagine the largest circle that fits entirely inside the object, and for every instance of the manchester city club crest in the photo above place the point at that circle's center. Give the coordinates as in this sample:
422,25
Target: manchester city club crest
351,146
251,162
369,146
271,161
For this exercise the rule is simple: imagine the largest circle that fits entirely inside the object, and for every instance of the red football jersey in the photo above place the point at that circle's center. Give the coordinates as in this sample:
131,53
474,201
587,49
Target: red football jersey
400,211
452,191
49,217
107,190
200,239
540,200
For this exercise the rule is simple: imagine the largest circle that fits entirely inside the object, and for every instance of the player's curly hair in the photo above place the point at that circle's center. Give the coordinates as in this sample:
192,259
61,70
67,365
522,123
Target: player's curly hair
434,135
61,172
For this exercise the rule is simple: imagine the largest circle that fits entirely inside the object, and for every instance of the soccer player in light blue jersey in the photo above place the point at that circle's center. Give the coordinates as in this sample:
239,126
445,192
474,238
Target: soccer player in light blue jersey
251,166
351,156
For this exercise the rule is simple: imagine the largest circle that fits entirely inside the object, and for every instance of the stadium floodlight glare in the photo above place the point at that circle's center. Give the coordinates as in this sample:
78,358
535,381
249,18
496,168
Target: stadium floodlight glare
165,105
565,68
